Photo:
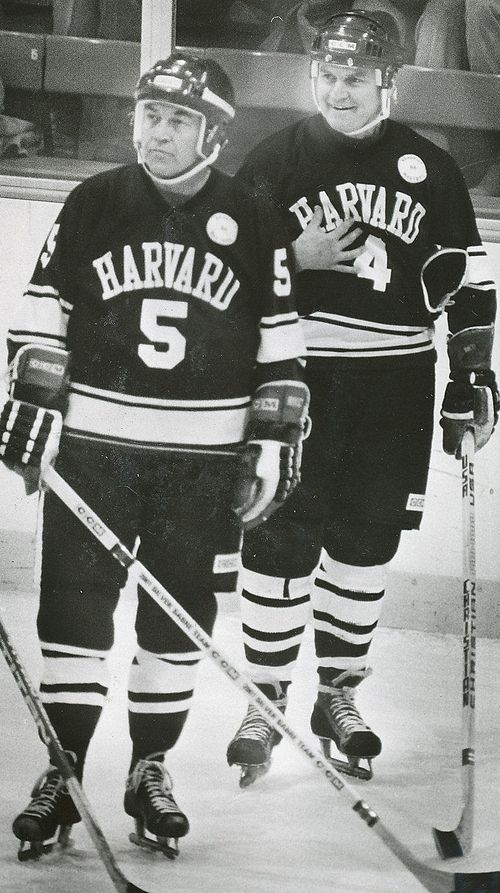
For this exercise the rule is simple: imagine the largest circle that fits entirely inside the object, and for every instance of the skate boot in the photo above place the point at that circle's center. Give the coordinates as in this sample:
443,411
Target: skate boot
149,800
252,746
336,718
47,819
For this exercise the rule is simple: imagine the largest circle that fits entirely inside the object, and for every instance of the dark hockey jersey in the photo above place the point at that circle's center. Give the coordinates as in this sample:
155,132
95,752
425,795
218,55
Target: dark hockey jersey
165,311
408,196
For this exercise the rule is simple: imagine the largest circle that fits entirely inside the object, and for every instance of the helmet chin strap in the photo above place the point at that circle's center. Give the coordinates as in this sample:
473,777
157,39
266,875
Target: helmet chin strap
184,175
385,110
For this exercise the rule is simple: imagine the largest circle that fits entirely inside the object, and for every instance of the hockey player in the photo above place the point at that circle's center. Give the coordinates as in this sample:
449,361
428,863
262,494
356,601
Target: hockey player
366,201
160,303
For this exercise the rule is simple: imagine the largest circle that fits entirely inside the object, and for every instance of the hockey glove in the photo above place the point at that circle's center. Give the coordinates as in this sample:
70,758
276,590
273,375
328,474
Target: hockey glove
31,420
271,457
471,398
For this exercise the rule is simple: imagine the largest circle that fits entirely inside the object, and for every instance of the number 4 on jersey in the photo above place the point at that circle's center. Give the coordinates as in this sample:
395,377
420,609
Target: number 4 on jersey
372,263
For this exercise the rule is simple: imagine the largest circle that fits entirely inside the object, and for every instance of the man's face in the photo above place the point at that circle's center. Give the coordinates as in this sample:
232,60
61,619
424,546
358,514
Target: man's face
348,98
169,138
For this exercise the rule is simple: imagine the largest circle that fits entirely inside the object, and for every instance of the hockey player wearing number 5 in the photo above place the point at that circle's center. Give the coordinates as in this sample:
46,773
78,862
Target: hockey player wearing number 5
366,202
159,330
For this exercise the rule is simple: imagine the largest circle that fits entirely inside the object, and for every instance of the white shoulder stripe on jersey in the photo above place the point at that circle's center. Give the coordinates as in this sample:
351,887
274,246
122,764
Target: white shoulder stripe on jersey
35,303
44,290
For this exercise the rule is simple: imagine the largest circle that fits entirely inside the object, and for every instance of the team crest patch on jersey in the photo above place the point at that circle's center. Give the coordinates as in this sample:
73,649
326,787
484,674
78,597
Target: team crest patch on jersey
415,502
412,168
222,229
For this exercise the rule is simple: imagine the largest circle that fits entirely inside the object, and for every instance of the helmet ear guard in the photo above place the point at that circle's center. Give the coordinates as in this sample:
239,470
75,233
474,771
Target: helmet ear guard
217,131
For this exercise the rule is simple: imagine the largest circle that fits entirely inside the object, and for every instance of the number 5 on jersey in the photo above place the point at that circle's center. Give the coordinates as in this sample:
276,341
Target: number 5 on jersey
172,349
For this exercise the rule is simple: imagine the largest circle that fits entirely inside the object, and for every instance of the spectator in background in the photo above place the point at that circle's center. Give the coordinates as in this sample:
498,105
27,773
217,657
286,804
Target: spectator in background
240,23
109,19
33,18
464,34
459,34
99,125
443,33
295,24
95,127
17,136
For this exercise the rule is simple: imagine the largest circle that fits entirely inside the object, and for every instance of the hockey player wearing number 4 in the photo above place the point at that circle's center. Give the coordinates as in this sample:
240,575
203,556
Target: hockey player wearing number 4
366,202
159,332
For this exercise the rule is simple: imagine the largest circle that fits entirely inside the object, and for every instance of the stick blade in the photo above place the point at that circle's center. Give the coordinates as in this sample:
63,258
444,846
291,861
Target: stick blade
450,845
484,882
131,888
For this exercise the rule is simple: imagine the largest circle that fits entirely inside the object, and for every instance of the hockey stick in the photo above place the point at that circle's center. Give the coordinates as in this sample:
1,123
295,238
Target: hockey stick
434,880
58,758
458,842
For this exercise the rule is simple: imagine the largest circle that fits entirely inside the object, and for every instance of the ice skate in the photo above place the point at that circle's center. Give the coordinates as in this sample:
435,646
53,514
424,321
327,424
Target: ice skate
336,718
48,818
149,800
252,746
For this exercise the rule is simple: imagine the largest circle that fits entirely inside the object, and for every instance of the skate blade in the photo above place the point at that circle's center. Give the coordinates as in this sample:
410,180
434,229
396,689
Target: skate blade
31,850
168,846
249,773
350,766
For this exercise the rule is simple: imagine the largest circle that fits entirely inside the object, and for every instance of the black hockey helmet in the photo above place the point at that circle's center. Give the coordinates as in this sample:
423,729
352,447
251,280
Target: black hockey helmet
360,39
198,84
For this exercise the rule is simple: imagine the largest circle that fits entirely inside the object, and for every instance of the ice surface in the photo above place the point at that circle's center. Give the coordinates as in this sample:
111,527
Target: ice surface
291,832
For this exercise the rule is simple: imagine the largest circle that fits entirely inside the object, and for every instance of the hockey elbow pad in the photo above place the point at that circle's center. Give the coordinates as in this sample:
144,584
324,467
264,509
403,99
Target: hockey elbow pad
471,398
271,457
443,273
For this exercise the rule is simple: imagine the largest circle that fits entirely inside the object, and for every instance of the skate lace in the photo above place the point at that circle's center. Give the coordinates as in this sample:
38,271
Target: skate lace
45,794
254,726
157,783
344,712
